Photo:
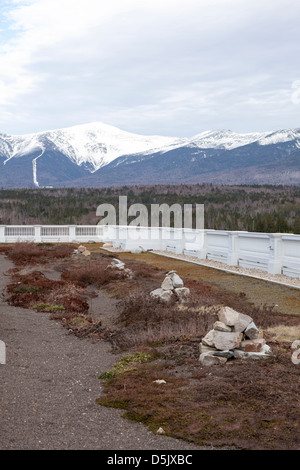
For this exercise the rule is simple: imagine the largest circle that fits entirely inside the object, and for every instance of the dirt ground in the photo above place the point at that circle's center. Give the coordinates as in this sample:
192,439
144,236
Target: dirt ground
51,395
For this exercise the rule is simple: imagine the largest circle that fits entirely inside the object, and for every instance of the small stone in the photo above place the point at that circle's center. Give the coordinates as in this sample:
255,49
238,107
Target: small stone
117,263
252,332
220,326
209,359
86,253
159,381
81,248
208,339
160,431
224,340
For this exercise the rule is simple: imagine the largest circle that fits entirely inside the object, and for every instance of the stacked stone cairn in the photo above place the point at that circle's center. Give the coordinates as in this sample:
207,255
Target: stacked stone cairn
172,287
82,250
119,265
234,336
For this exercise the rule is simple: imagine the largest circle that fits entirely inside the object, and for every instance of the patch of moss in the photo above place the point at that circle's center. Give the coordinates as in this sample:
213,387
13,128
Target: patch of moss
47,307
26,289
126,364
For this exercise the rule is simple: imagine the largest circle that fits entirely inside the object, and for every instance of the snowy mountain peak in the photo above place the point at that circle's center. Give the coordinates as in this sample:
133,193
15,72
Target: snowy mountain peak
87,148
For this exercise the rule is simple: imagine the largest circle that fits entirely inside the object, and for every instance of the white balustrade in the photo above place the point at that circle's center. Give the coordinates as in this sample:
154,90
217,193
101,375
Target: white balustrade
275,253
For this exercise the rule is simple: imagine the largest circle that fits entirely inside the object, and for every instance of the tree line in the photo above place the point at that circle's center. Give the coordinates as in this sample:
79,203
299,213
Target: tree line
252,208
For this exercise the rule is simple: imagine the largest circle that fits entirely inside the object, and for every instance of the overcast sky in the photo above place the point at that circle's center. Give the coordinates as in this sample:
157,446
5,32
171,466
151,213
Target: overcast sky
165,67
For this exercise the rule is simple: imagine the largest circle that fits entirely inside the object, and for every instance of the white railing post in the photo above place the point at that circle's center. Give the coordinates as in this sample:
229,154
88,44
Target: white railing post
72,233
2,234
37,233
233,249
202,253
276,253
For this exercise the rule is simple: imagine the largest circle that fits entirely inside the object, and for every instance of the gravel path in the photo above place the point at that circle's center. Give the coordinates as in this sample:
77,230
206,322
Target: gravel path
49,385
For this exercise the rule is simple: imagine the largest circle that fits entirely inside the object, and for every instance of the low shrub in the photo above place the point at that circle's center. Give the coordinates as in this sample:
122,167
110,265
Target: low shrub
23,253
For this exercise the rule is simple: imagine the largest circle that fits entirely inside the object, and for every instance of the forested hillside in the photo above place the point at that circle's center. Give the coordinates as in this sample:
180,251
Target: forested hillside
251,208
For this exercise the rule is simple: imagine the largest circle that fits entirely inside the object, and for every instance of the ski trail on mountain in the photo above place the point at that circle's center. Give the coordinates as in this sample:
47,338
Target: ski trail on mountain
34,168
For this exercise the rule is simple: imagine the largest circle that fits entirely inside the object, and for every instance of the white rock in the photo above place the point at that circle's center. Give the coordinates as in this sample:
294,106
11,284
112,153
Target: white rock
167,283
117,263
164,295
208,339
242,322
224,340
176,280
182,293
203,348
159,381
264,354
220,326
160,431
228,316
208,359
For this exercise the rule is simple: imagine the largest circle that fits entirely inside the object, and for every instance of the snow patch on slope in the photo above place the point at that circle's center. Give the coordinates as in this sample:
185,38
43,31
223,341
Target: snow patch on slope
278,137
225,139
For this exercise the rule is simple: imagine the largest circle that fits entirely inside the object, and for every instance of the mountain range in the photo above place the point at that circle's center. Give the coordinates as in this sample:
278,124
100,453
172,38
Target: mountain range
99,155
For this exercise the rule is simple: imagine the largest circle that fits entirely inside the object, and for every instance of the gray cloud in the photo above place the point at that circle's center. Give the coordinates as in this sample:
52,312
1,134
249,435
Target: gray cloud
171,67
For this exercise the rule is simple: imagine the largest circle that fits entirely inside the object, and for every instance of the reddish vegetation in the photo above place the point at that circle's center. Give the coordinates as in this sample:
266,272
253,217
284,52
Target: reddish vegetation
25,253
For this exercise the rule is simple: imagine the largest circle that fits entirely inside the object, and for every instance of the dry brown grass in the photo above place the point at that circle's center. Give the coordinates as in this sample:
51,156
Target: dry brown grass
93,273
284,333
24,253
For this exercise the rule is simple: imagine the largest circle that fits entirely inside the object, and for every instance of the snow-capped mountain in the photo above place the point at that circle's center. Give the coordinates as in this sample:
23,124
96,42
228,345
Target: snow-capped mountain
97,154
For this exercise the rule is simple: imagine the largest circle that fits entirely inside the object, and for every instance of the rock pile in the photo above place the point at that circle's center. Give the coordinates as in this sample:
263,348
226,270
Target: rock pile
234,336
82,250
118,264
171,287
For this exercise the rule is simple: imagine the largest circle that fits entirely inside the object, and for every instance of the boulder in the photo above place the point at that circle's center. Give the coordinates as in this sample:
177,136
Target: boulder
224,340
167,283
252,332
164,295
228,316
264,354
203,348
252,345
242,322
209,359
182,293
117,263
176,280
220,326
208,339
